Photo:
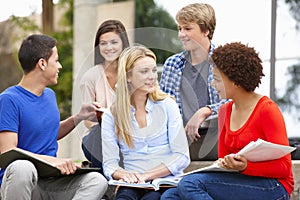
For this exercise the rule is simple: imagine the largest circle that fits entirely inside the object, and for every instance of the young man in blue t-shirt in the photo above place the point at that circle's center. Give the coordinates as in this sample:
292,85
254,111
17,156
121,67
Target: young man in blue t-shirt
30,120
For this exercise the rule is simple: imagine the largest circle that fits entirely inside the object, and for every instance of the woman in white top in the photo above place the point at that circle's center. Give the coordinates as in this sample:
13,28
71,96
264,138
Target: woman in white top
98,83
145,125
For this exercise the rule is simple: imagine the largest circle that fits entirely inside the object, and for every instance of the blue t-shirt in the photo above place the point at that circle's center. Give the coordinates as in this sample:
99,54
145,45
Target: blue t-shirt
35,119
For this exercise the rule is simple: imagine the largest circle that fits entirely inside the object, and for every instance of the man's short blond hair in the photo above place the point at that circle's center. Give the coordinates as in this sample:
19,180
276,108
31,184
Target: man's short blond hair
200,13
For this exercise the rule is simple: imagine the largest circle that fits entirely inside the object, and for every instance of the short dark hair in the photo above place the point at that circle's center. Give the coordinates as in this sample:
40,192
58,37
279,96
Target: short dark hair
240,63
109,26
33,48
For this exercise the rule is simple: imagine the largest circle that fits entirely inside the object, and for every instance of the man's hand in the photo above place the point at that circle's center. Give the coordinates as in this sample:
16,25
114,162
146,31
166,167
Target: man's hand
195,122
65,165
87,112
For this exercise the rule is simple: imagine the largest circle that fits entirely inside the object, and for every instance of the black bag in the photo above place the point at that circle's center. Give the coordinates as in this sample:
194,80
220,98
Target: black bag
92,146
206,148
295,142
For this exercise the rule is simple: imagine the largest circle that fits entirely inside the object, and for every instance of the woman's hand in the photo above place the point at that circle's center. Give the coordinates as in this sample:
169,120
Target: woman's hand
233,161
128,177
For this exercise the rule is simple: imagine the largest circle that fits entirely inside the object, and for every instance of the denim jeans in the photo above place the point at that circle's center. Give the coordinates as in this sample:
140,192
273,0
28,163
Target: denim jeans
226,185
129,193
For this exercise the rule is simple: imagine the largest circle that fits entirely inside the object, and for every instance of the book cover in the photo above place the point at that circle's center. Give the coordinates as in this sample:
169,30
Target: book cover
155,184
44,168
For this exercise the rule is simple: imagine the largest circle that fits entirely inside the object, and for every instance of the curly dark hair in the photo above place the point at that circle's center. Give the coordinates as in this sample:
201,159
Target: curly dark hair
240,63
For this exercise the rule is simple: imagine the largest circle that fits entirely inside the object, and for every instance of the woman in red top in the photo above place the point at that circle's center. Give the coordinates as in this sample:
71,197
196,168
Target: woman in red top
237,72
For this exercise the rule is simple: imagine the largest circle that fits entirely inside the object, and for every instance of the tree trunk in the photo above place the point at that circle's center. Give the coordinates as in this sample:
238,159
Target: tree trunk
47,16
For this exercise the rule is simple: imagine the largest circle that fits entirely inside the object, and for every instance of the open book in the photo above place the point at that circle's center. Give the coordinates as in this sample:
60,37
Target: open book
215,167
44,168
155,184
257,151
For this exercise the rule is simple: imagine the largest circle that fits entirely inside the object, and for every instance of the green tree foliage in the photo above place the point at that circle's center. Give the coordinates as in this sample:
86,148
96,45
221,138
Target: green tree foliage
290,100
156,29
12,32
294,10
64,88
291,97
25,23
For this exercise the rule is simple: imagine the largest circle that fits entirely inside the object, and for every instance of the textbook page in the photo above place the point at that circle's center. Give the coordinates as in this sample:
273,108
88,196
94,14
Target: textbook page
169,181
261,150
255,151
215,167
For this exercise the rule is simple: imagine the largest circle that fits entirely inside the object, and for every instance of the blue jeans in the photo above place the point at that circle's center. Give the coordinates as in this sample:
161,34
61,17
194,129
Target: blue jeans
130,193
226,185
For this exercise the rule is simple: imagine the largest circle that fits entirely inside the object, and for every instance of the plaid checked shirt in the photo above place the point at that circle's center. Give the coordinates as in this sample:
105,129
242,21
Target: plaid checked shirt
171,79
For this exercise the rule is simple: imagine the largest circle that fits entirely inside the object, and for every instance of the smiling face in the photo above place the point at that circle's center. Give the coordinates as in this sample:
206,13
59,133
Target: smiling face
52,68
191,36
143,76
110,46
223,85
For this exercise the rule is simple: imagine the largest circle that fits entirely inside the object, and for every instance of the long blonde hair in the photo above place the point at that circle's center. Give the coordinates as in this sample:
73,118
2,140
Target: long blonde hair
121,109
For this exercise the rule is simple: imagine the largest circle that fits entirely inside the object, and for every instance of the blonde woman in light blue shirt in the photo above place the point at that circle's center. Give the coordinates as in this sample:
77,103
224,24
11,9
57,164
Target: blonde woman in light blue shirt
145,125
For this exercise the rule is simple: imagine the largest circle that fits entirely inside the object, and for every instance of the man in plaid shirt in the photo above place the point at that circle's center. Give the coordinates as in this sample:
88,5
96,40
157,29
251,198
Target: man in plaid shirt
188,75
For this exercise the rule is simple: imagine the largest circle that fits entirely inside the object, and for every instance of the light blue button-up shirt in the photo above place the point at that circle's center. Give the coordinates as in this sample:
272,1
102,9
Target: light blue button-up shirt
162,141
